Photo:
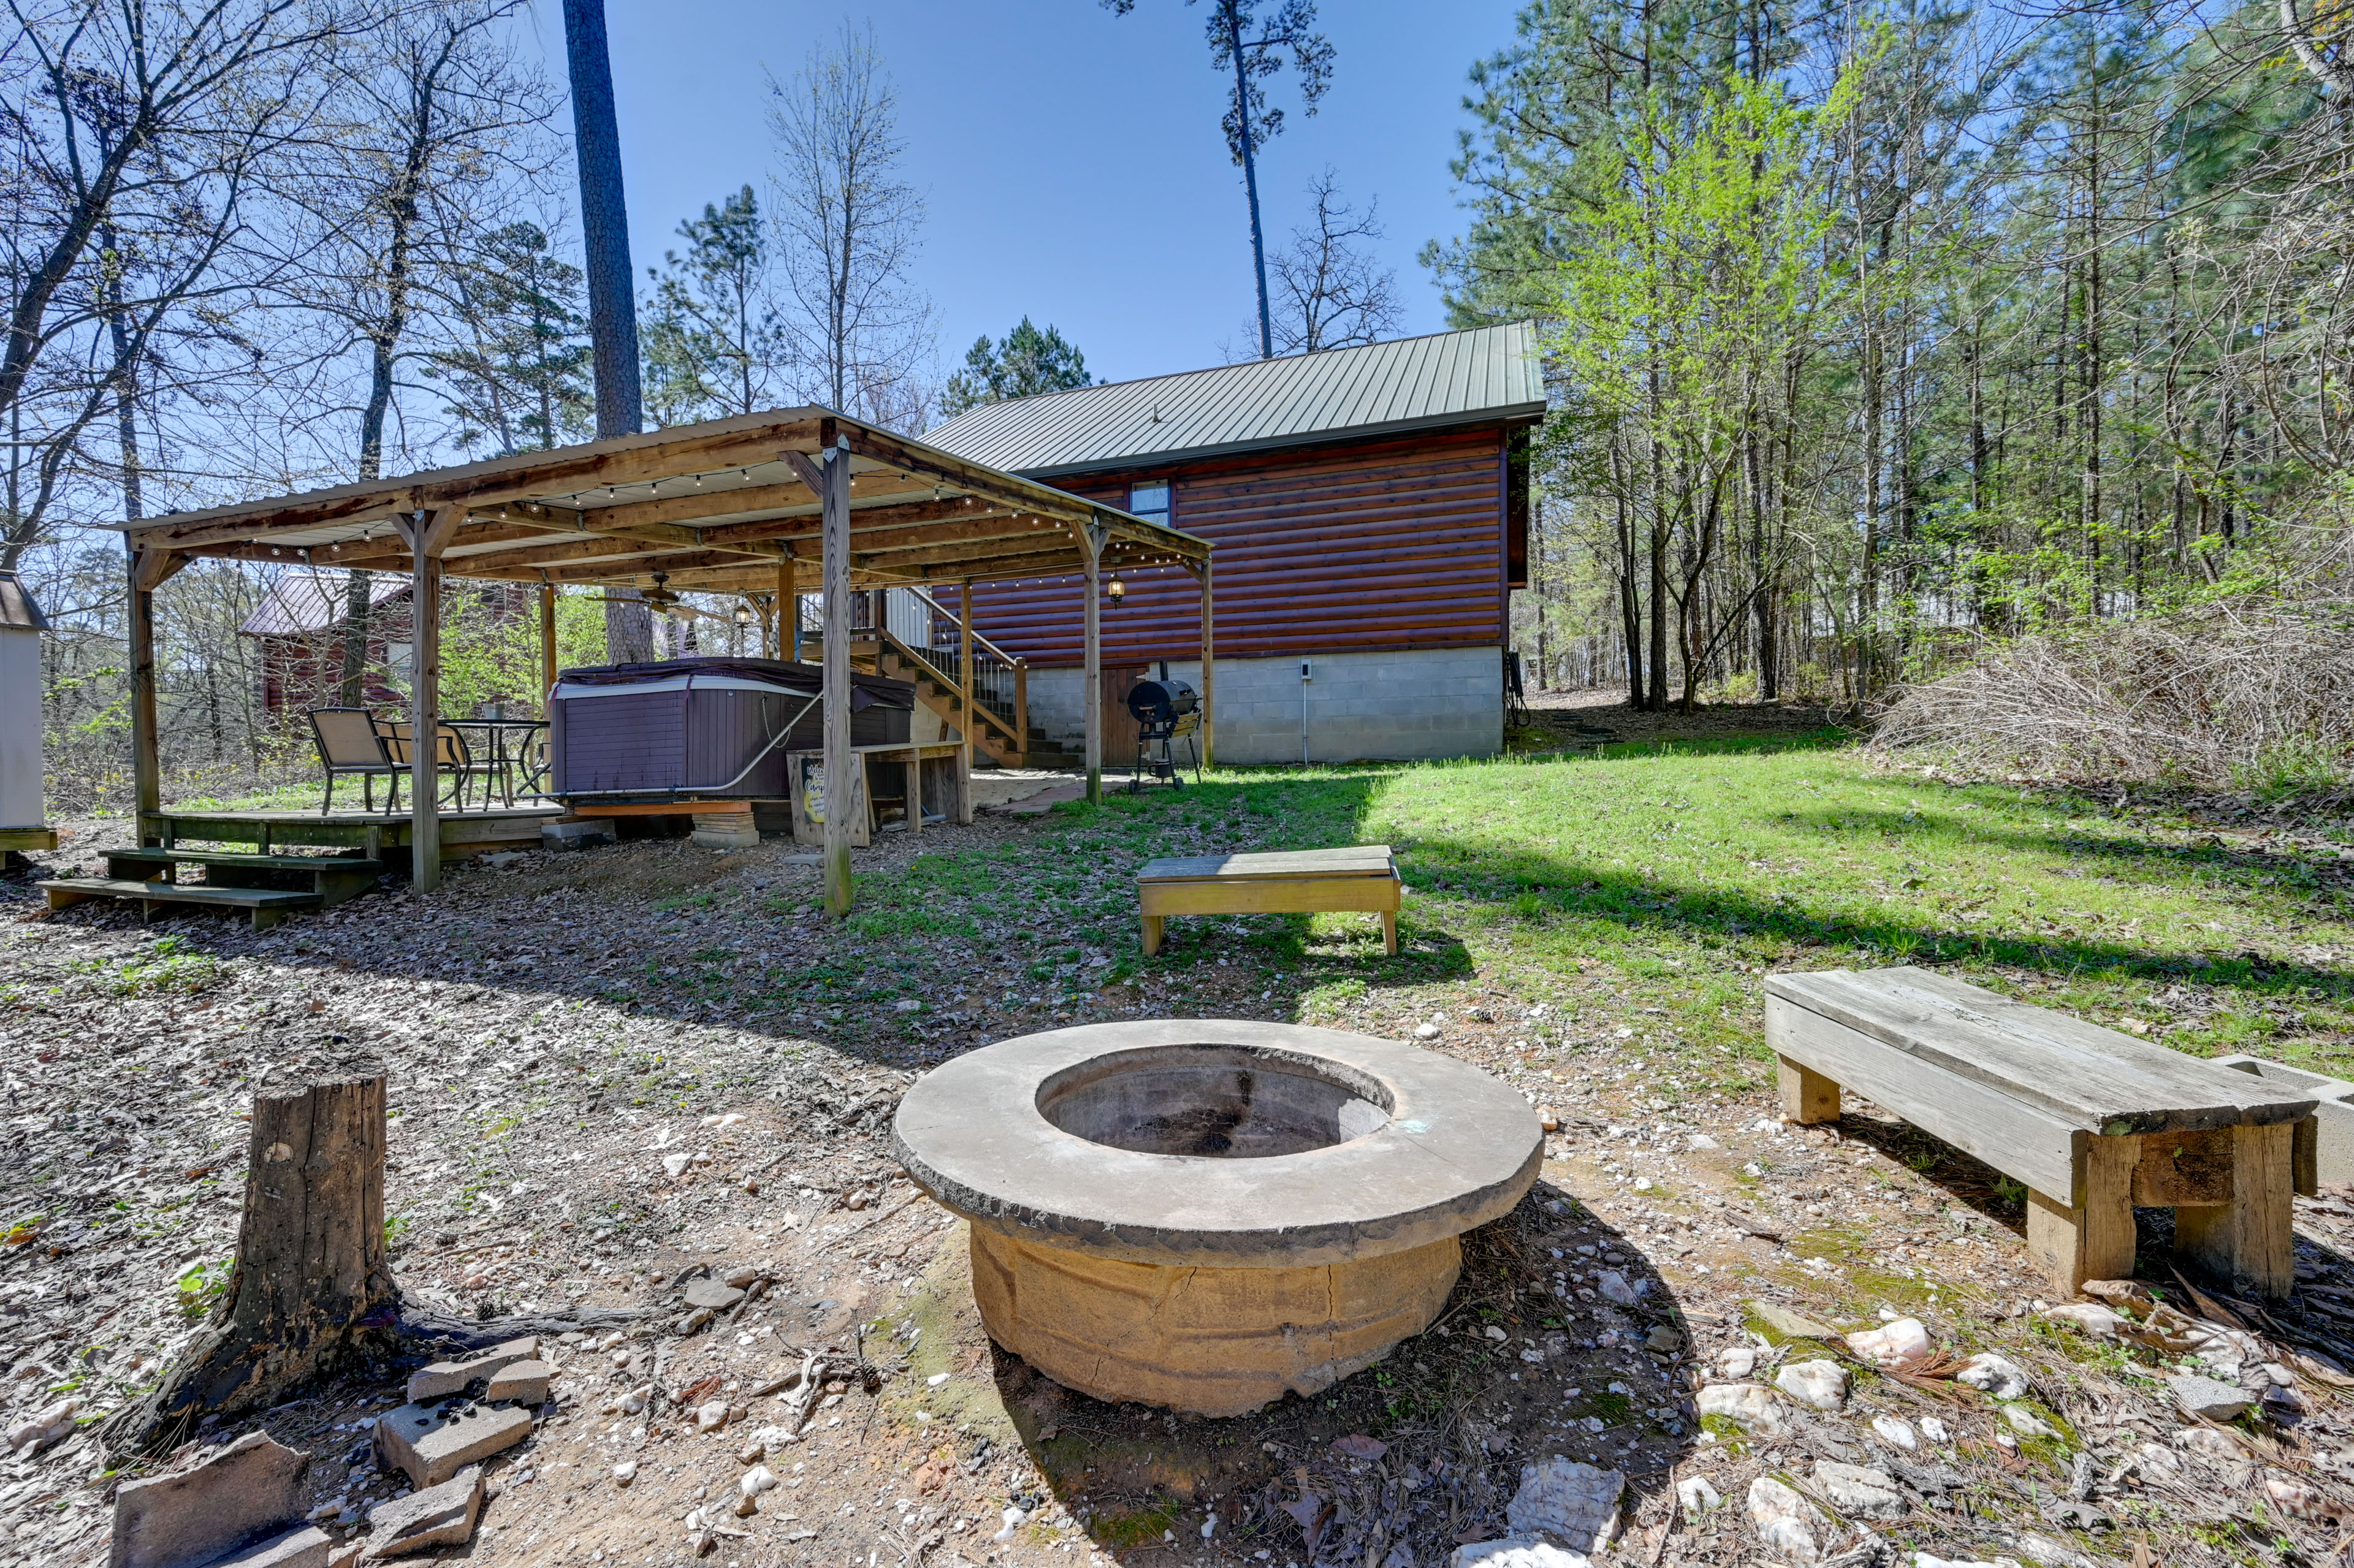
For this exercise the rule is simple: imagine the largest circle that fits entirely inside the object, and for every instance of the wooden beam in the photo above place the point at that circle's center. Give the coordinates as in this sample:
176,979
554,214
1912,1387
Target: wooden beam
148,570
832,483
1091,542
426,539
501,482
969,715
547,646
1210,671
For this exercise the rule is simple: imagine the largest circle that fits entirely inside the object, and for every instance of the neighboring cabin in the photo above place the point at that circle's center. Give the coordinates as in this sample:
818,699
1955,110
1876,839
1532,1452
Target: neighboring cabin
1370,509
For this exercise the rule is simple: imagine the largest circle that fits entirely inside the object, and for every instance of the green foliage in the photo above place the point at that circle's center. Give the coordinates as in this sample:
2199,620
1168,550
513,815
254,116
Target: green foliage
490,653
1022,363
172,966
714,341
521,384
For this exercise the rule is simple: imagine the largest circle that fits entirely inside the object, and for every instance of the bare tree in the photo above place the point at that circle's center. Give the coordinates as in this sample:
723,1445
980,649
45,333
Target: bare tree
1330,292
847,231
133,134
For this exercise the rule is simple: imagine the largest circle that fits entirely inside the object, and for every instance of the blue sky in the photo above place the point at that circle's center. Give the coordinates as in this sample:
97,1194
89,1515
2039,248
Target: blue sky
1071,158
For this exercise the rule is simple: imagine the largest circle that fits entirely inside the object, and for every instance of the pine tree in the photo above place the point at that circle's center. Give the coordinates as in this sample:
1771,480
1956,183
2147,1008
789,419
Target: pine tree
522,383
714,344
1024,362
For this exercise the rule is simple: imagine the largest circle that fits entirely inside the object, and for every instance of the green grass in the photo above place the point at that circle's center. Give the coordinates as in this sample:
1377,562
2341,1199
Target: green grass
1646,889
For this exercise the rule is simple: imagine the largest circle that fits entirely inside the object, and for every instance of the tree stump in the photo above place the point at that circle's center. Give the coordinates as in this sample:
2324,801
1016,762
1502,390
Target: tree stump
312,1291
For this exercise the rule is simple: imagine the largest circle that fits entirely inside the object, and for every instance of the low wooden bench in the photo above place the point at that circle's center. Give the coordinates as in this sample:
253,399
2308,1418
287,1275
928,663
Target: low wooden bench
2091,1122
1287,882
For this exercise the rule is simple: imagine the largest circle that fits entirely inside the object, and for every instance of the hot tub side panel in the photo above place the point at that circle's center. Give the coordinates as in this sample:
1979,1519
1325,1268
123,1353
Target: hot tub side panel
626,741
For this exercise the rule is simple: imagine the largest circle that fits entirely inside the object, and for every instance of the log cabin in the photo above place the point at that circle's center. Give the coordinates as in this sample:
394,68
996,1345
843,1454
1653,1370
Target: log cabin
1370,509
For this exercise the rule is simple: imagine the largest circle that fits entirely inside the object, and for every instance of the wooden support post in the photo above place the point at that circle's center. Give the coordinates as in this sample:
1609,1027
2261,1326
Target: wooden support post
830,483
1091,697
788,604
2247,1241
1022,706
546,639
1209,686
1808,1097
964,667
148,571
426,535
2089,1234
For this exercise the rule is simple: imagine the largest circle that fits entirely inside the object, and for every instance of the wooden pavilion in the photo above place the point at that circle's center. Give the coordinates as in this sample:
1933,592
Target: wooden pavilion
783,503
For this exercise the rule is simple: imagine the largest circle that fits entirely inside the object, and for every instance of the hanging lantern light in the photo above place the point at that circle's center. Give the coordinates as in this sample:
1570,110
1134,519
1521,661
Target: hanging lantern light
1118,591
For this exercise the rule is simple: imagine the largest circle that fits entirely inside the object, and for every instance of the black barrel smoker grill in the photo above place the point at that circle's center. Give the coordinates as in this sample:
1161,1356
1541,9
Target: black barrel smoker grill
1166,712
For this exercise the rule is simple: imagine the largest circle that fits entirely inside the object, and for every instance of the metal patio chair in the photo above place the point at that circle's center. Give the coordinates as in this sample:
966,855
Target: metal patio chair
349,743
451,758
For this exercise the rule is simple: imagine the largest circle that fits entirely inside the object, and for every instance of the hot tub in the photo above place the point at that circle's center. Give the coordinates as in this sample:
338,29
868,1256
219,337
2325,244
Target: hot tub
711,728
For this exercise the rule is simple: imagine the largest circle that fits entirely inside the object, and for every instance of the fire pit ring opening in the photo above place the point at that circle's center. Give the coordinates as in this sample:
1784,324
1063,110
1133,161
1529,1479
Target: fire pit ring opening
1207,1214
1218,1102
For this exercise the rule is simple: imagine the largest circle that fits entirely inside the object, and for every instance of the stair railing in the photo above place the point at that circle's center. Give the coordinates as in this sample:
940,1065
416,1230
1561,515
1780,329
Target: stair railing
929,629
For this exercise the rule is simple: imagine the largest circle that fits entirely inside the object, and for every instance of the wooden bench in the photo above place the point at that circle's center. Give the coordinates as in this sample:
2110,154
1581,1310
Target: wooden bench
1289,882
2091,1122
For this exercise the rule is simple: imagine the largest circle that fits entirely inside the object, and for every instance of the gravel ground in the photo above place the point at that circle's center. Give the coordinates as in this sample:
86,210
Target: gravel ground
556,1029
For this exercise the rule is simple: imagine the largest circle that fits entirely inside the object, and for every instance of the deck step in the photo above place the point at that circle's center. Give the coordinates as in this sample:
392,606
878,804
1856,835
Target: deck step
266,905
296,862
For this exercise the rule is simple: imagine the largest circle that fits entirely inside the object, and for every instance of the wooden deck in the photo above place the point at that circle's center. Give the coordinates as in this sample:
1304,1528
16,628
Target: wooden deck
464,834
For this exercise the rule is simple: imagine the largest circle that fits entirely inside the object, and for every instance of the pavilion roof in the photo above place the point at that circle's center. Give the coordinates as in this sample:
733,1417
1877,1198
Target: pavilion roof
715,506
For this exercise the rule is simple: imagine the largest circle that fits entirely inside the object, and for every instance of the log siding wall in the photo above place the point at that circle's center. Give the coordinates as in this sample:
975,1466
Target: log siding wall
1393,545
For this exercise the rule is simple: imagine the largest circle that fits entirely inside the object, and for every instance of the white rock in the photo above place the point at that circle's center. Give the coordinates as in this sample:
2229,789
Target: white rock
625,1472
1425,1031
1749,1405
936,1380
2210,1397
1896,1431
2208,1444
676,1164
758,1479
2023,1421
1821,1384
2155,1463
711,1415
1785,1521
908,1004
1515,1552
637,1399
2293,1497
770,1438
2089,1316
1738,1362
1934,1428
1575,1504
1614,1288
1702,1140
1696,1497
1012,1517
1858,1493
1995,1375
2053,1553
1495,1333
1896,1344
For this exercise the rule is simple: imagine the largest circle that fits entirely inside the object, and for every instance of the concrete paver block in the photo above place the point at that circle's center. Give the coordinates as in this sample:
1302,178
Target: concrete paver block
434,1442
306,1546
525,1382
246,1493
437,1516
455,1376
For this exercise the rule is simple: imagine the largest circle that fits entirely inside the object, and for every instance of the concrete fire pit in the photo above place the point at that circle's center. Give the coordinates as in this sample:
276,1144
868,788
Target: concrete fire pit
1204,1214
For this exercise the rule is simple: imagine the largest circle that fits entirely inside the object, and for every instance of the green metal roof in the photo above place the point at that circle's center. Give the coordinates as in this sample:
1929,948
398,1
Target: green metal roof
1412,383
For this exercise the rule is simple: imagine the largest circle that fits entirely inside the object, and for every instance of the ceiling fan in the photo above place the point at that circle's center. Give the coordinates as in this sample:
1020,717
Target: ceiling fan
658,597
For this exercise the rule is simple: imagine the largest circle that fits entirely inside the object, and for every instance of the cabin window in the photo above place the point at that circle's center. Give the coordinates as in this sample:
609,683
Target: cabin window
1150,502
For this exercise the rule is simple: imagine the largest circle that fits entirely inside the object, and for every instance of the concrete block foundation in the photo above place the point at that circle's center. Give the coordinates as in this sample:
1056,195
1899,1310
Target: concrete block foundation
1438,703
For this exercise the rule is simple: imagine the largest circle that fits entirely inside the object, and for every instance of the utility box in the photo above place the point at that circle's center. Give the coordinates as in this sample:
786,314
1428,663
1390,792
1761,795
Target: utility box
24,821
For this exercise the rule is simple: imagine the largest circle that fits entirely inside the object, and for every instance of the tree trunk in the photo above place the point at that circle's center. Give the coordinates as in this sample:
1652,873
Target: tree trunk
312,1291
604,223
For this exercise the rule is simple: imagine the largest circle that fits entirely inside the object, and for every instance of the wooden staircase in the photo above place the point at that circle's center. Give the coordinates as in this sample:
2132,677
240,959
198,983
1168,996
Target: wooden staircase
267,886
992,735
